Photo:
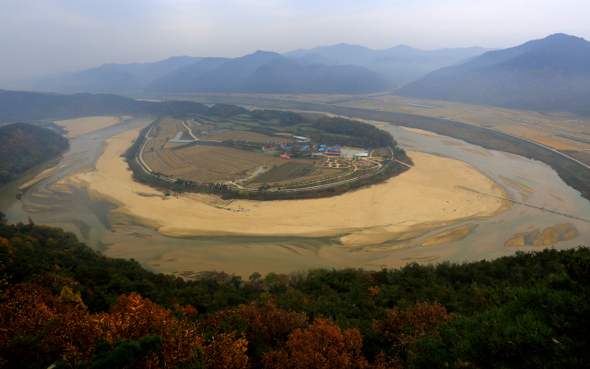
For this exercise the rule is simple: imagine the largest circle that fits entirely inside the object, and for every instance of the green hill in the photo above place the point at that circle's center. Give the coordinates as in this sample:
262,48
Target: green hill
23,146
17,106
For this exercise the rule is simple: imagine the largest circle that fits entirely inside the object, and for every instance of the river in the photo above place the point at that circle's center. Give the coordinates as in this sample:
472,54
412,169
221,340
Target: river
54,204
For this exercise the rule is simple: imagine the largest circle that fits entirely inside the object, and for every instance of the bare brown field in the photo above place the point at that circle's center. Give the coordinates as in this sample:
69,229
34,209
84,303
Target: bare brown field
563,127
164,161
153,145
552,141
582,156
172,145
545,137
289,170
168,128
521,130
207,163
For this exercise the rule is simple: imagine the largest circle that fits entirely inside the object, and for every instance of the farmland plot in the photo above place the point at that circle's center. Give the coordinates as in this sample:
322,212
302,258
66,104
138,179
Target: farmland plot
283,172
207,163
242,136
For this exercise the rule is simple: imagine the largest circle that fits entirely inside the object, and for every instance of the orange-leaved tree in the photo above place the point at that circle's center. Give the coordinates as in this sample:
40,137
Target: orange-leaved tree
37,326
399,328
322,345
135,317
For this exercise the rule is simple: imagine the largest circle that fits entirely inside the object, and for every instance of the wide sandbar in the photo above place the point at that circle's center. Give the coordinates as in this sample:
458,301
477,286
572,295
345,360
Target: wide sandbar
426,196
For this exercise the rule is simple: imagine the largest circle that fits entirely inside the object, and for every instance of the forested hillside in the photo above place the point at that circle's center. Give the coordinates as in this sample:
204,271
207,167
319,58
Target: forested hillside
17,106
23,146
61,302
548,75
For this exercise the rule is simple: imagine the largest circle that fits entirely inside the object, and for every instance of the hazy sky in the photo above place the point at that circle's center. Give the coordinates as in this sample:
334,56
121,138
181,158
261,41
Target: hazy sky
44,36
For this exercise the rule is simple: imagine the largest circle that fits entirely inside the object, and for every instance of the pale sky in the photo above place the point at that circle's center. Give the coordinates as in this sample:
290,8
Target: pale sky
38,37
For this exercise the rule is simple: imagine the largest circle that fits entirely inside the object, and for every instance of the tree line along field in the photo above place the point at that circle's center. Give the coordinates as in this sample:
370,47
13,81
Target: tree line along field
248,147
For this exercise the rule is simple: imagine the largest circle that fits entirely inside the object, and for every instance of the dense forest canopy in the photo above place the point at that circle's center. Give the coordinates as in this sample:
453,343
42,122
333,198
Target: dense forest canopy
62,302
330,130
23,146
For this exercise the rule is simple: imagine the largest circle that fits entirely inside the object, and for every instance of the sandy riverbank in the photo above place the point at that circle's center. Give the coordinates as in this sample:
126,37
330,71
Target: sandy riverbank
81,126
423,197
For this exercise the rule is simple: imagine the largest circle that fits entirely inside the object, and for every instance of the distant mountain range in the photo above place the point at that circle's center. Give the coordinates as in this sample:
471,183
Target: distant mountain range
342,68
400,64
111,78
547,75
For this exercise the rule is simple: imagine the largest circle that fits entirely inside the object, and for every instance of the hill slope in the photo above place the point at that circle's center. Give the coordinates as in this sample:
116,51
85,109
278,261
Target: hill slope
284,76
111,78
400,64
23,146
29,106
552,74
268,72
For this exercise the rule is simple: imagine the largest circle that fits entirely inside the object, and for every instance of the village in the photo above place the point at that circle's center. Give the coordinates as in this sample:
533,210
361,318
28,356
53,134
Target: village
215,155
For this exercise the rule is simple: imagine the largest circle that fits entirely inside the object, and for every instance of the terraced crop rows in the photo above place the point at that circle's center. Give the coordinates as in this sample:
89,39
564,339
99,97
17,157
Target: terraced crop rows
206,163
164,161
169,130
243,136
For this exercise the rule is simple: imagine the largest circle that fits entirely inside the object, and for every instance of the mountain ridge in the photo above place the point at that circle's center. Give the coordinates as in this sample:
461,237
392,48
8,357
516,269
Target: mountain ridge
549,74
394,66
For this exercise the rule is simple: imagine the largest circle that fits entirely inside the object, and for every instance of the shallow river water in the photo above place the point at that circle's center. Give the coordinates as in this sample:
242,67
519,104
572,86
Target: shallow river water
47,202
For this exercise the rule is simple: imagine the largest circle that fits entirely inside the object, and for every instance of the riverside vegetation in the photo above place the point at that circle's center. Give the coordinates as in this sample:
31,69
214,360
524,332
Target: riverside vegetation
64,303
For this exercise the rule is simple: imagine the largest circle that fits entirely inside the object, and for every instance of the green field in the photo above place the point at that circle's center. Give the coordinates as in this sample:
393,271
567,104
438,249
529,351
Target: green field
284,172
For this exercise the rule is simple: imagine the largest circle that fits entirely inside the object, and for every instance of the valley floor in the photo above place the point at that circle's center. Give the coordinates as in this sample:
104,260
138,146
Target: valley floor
422,199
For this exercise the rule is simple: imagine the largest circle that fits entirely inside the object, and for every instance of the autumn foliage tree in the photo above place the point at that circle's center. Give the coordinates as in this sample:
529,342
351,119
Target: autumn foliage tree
36,327
400,328
323,345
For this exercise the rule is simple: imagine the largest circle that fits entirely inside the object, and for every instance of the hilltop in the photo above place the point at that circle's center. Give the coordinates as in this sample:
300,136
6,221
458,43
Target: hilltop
547,75
18,106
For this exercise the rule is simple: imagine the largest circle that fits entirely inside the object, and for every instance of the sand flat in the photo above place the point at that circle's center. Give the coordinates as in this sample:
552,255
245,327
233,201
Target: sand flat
422,131
425,195
81,126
